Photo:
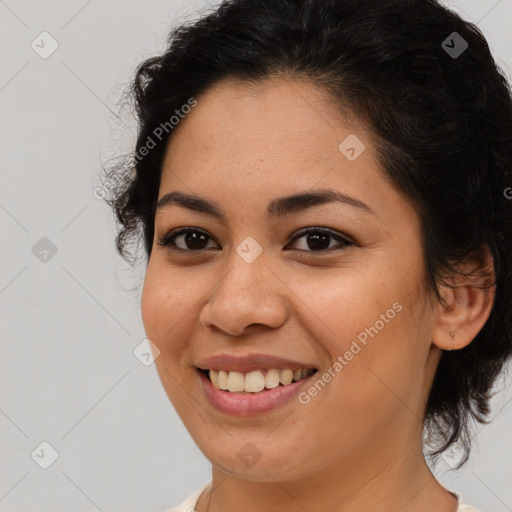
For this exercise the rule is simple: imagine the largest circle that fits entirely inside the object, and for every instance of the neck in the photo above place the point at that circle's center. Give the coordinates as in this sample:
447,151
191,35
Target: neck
402,482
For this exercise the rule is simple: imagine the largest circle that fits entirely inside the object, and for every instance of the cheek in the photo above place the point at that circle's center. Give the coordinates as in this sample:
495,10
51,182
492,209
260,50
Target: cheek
370,320
169,305
164,310
342,305
151,316
160,304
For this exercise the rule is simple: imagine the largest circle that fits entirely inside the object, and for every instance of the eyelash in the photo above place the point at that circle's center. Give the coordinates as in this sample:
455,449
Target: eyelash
167,241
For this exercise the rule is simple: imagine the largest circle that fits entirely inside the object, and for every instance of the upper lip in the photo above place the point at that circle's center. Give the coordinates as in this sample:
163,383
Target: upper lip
248,362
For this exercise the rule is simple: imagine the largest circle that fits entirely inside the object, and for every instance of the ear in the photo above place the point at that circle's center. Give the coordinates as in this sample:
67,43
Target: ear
467,305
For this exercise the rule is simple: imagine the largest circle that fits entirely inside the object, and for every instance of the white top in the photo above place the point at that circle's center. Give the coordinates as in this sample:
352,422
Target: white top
189,505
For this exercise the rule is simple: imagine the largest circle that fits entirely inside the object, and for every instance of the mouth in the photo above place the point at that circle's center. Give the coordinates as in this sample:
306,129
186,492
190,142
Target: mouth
256,381
246,394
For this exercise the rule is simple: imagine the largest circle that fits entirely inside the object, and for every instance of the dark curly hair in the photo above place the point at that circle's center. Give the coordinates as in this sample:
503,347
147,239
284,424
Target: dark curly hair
442,122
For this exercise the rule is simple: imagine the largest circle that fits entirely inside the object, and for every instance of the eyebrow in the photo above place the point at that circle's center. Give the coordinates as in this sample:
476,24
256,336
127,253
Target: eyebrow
279,207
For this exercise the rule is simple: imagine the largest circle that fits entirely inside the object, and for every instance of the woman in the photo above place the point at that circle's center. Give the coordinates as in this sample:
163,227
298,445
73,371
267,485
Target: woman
321,189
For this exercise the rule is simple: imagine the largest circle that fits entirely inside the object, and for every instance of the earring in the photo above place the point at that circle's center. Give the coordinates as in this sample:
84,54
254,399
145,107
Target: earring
452,336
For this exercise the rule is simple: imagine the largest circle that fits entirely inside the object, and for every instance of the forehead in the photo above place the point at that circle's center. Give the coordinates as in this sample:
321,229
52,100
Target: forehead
277,115
270,138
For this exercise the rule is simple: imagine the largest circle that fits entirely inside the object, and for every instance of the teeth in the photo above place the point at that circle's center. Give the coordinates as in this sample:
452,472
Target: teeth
272,378
223,378
285,377
254,382
214,377
257,380
235,381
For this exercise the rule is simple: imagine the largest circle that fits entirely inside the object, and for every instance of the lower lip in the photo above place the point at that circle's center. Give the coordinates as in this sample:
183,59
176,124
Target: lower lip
250,404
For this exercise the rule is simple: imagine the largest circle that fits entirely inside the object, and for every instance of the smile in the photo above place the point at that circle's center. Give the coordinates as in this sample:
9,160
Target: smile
257,380
235,400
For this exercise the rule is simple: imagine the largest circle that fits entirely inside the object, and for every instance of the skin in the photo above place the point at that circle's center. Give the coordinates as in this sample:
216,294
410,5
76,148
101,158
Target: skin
357,445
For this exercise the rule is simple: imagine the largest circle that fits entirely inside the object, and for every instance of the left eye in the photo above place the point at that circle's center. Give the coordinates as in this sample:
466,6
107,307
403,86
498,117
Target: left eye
318,240
194,240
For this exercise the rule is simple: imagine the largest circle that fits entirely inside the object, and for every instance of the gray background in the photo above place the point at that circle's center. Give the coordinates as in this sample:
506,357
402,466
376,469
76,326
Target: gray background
69,325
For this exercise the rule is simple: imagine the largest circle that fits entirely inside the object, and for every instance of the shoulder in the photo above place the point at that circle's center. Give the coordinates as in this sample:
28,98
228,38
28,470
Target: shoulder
467,508
189,504
463,507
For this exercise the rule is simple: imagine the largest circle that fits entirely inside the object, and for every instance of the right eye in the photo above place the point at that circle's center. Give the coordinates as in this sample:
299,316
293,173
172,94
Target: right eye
190,239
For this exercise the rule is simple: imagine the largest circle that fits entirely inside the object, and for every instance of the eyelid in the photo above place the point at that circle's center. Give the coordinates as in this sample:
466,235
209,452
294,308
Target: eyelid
343,239
312,229
165,240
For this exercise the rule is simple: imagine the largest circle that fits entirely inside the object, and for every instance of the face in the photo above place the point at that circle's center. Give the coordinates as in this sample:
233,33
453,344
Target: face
332,285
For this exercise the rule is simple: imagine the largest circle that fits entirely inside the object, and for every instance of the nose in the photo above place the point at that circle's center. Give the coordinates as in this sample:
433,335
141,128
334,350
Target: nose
248,295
